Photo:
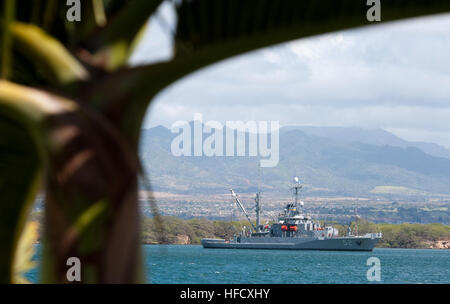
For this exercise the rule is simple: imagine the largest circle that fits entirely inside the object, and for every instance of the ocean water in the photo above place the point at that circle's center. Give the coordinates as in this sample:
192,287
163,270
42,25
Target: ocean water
177,264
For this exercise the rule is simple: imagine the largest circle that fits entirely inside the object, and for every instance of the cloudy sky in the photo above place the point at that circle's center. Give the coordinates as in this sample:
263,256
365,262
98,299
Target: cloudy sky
393,76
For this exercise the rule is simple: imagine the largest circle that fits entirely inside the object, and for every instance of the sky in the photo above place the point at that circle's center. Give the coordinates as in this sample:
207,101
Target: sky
394,76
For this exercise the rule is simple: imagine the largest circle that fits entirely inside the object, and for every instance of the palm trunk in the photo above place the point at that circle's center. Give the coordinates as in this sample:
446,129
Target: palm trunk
91,203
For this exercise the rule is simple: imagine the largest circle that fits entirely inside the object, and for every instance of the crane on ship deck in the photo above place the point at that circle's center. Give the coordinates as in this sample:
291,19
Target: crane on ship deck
238,202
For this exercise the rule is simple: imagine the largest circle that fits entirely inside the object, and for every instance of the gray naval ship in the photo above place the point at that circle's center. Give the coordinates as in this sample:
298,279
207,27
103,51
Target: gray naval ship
294,230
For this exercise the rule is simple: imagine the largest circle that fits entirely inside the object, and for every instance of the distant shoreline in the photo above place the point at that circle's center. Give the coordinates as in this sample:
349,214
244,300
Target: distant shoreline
425,248
156,244
177,231
182,232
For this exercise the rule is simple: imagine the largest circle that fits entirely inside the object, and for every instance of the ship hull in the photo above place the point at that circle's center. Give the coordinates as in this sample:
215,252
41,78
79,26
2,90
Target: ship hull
281,243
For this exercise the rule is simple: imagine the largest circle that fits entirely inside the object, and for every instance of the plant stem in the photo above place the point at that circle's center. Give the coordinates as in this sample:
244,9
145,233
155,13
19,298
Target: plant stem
99,12
9,9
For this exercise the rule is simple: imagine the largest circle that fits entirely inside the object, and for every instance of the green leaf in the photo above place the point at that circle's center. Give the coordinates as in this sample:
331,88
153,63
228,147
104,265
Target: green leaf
31,106
232,27
23,115
23,258
46,51
99,12
91,186
19,182
112,44
6,46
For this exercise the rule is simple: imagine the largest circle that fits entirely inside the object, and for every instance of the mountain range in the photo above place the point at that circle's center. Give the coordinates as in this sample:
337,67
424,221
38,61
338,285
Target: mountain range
329,161
377,137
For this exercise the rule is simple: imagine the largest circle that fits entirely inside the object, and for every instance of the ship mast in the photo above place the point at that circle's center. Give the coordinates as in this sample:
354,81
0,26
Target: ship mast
258,208
357,217
296,189
258,200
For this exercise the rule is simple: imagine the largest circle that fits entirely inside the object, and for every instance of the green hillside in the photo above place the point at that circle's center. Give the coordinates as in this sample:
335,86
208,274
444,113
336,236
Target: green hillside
326,167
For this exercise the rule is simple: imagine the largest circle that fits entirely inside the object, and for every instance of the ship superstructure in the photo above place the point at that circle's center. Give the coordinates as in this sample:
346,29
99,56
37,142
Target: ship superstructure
294,229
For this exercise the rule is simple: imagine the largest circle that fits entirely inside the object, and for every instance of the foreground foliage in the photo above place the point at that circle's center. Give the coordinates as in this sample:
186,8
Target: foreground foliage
71,110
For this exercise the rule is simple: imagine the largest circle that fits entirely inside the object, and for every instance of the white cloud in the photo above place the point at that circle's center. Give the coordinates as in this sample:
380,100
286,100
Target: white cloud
394,76
156,43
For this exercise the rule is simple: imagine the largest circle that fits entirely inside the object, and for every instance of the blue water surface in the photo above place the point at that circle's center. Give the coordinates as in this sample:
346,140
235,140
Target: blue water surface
191,264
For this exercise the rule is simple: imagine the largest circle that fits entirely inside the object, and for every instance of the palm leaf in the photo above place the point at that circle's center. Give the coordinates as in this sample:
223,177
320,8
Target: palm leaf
9,10
19,182
111,43
23,260
233,27
99,12
91,186
48,52
23,112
